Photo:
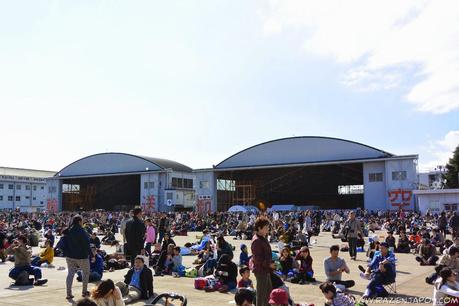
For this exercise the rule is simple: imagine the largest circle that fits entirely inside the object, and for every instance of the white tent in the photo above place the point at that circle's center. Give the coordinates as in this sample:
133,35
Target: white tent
241,208
286,207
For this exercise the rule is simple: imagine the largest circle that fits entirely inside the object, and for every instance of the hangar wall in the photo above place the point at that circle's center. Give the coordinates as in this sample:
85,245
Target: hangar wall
374,191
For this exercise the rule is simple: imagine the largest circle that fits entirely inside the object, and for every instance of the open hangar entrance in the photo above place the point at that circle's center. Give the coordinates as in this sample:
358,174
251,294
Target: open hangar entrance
120,192
325,186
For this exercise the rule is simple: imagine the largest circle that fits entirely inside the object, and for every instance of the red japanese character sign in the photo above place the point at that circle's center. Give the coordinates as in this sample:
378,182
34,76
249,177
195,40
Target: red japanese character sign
400,197
51,205
148,204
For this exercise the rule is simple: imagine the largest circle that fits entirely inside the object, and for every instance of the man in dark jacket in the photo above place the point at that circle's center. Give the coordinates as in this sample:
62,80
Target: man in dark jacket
76,250
138,282
135,233
262,261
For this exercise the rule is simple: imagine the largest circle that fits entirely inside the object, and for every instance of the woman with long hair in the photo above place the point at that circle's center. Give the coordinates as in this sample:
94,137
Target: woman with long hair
446,289
107,294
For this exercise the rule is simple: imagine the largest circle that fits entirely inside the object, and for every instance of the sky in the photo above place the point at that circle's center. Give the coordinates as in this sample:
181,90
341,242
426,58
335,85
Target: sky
197,81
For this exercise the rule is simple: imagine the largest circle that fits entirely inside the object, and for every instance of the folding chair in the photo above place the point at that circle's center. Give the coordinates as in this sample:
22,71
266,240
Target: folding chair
392,287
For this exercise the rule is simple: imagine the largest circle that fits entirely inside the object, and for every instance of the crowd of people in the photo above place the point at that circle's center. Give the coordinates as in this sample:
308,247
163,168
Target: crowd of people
279,252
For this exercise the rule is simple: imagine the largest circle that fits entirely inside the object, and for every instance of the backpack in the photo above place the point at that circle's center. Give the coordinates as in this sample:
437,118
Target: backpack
191,272
200,283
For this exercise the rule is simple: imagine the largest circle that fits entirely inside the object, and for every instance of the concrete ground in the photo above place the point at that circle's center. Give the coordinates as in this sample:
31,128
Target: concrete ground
411,286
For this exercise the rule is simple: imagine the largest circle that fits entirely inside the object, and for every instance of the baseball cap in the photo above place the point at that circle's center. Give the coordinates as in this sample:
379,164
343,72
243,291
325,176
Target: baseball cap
278,296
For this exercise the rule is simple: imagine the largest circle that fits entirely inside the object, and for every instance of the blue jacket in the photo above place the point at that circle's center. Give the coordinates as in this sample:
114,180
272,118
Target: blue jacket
378,257
98,265
77,243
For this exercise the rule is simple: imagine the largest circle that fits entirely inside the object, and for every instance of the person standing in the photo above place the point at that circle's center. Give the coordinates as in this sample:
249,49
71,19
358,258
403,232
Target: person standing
135,233
123,227
77,252
353,228
262,261
150,236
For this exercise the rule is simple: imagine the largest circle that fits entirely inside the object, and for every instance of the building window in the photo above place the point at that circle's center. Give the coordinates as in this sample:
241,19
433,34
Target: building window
42,188
41,202
204,184
34,198
226,185
399,175
18,187
10,186
182,183
35,187
1,198
149,185
27,187
1,186
10,198
350,189
18,198
52,189
375,177
27,197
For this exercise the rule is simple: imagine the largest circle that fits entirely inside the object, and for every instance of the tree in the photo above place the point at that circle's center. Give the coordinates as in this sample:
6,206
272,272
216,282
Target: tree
452,170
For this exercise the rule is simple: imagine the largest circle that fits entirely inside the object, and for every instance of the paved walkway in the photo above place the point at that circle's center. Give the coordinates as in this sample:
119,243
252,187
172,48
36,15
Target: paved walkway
410,280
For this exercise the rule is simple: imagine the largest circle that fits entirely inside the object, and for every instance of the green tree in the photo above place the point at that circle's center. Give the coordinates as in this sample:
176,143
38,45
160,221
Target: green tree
452,170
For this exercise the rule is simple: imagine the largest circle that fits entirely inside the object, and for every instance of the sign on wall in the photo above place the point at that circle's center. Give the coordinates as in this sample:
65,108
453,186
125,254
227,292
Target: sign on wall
204,205
148,204
400,197
51,206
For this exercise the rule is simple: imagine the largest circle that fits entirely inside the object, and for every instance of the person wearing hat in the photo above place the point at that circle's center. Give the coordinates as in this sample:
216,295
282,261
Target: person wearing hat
278,297
380,271
427,253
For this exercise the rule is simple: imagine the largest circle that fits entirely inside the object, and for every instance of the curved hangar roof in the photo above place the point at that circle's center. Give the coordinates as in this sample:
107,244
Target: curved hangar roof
118,163
301,150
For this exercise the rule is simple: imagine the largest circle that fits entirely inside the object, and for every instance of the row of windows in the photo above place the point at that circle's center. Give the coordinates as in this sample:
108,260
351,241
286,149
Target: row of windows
18,198
19,187
378,176
350,189
148,185
182,183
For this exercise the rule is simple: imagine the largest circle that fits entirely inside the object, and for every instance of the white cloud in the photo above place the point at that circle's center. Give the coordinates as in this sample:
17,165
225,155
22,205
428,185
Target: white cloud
441,150
383,41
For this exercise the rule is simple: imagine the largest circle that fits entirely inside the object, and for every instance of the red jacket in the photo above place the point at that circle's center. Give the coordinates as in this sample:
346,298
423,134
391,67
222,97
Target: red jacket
261,255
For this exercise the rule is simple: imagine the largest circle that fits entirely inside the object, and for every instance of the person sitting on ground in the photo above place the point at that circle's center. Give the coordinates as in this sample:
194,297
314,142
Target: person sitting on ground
49,236
381,271
94,240
138,282
335,266
96,266
278,297
226,272
244,256
305,273
22,267
437,238
334,297
403,245
427,253
445,287
245,281
244,297
415,239
223,247
107,294
450,260
390,239
177,266
46,256
287,262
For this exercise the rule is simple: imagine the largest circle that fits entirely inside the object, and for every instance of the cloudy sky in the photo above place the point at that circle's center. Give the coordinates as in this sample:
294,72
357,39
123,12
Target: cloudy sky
196,81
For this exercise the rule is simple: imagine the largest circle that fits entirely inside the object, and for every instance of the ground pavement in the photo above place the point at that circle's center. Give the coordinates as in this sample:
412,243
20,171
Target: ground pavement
410,280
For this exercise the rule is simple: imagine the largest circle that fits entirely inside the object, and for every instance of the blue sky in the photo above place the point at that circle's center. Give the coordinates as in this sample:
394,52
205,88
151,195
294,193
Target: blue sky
196,81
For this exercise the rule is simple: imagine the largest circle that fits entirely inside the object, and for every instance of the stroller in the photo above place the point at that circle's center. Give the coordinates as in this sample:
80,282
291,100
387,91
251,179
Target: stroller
168,298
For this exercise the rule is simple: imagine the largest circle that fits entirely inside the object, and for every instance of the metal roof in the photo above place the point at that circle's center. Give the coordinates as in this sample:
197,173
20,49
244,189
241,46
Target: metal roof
302,150
26,172
119,163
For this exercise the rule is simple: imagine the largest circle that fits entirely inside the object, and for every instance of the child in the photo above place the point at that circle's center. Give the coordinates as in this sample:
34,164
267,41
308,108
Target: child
177,262
46,256
334,297
245,281
305,273
244,297
278,297
286,262
244,257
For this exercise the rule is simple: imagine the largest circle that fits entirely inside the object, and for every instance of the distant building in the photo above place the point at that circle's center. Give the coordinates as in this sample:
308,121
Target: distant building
23,189
437,200
430,180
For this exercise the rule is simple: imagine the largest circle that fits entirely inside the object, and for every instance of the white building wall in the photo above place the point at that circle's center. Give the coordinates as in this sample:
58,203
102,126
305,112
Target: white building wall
27,194
374,192
206,188
149,189
401,190
435,202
